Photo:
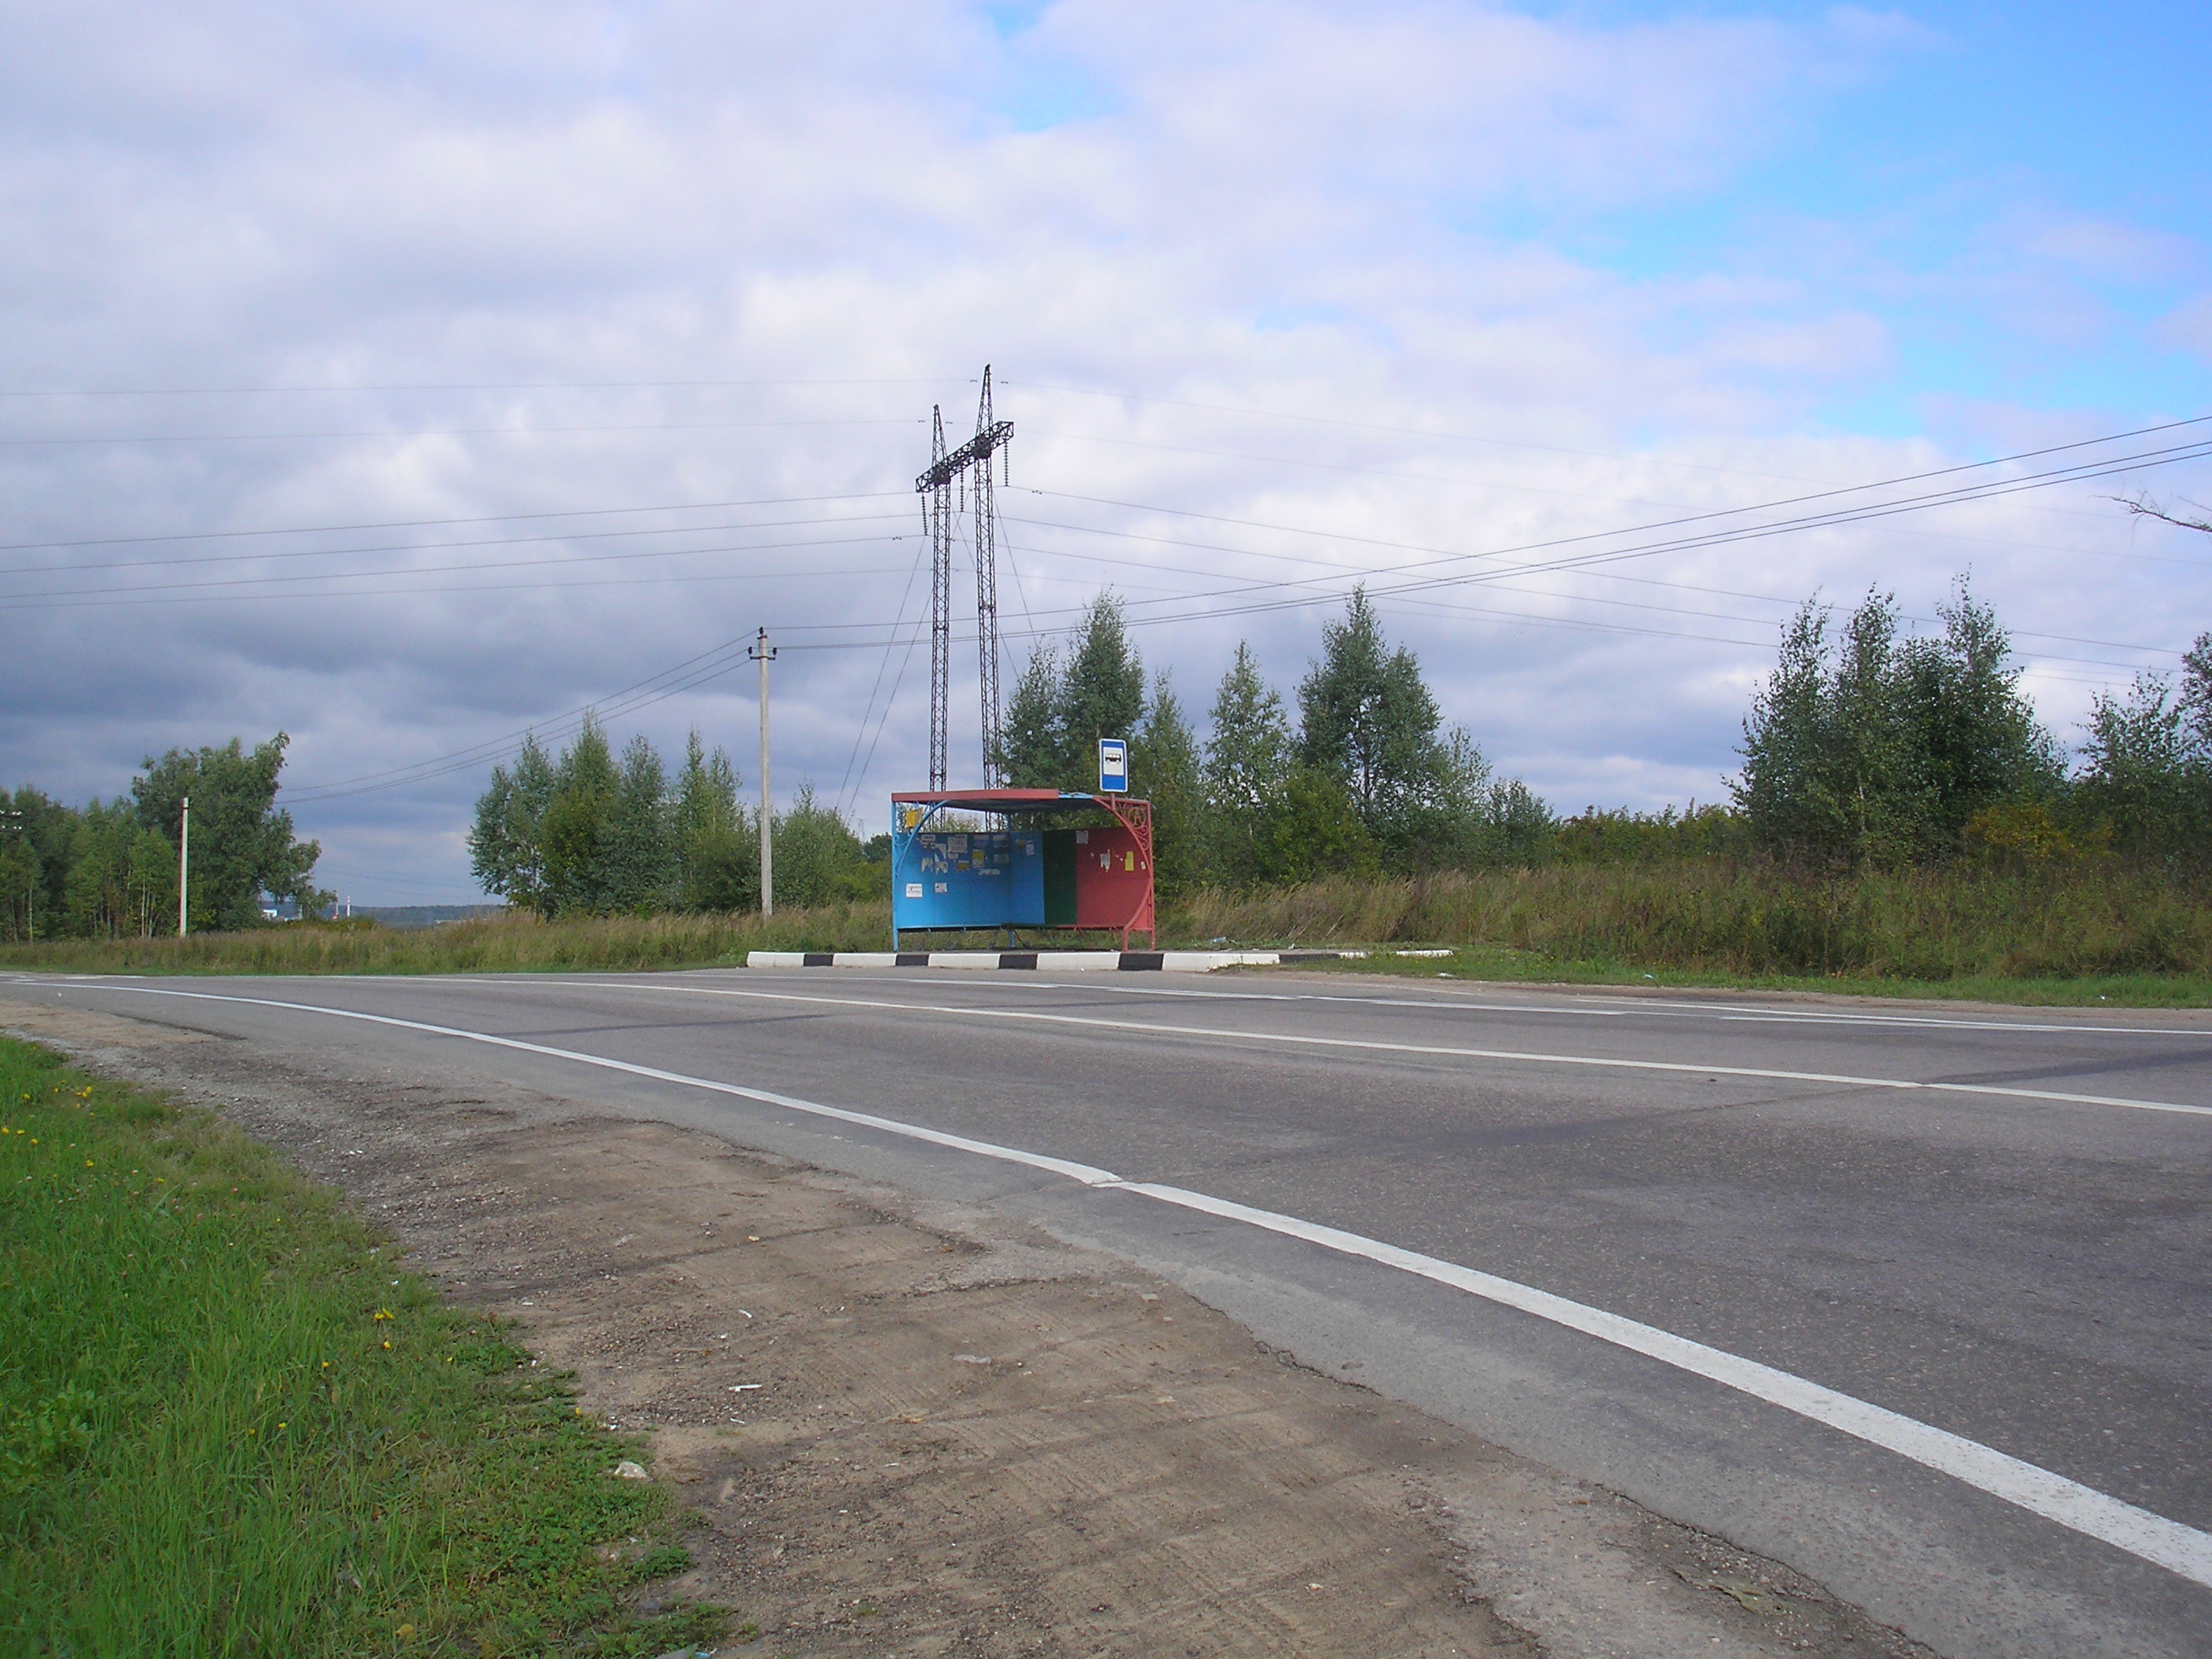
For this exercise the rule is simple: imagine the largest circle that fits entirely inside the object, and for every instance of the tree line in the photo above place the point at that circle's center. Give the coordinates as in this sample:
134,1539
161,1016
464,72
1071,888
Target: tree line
1368,778
109,870
589,832
1868,748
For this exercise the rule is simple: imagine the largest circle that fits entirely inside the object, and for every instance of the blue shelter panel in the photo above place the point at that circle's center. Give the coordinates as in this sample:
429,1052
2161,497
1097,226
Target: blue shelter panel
966,878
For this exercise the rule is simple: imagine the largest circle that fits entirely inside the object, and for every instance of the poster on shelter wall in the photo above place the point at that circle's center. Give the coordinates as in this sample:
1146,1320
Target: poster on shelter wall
966,878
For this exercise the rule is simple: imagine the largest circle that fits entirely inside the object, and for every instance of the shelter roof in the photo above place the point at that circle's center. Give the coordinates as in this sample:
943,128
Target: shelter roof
999,800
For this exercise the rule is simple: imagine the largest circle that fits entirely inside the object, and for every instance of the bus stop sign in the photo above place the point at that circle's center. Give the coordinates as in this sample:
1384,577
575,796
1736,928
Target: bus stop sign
1113,767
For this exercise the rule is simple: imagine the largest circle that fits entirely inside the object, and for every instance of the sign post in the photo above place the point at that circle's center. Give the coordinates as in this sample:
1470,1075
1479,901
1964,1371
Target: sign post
1113,766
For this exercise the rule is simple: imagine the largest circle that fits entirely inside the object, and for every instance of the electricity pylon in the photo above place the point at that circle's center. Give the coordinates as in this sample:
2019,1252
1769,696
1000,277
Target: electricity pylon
972,460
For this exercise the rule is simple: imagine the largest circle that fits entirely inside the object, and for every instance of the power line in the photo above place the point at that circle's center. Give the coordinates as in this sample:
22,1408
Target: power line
710,665
868,708
1400,431
457,386
652,688
357,595
270,557
1445,556
436,569
441,524
1721,536
449,432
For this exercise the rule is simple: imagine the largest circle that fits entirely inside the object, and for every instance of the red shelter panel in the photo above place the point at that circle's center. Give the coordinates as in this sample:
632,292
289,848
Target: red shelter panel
1112,879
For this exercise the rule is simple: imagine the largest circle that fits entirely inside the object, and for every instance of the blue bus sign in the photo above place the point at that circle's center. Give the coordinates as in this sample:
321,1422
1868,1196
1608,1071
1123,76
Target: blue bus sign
1113,767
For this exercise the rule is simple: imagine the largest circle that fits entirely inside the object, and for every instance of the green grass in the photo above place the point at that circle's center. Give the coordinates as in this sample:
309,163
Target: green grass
2072,933
1504,965
231,1424
503,944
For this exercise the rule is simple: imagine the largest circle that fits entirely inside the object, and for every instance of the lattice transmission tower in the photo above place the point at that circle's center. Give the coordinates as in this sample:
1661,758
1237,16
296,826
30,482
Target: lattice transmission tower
968,469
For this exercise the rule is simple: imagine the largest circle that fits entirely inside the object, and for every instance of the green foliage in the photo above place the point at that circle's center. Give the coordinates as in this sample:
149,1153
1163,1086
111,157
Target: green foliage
110,870
517,941
1872,748
506,842
2147,778
590,834
717,849
2037,931
1314,829
578,834
1164,769
242,846
1058,712
818,859
1596,835
1368,720
1248,768
228,1426
1033,738
1101,694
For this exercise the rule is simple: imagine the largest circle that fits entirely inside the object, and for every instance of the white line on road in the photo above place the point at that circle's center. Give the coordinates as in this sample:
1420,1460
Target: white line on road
1444,999
2180,1549
1374,1046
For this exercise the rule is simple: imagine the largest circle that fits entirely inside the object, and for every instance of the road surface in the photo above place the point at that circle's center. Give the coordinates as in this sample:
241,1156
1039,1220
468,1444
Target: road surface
1917,1300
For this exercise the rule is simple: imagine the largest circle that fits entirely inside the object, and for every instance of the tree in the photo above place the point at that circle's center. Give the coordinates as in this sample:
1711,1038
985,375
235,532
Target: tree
818,859
507,847
1315,831
1782,788
1248,767
1877,776
1518,827
1164,769
2197,694
242,846
638,853
1103,692
717,851
577,829
1876,748
1033,740
1059,710
1368,720
2144,508
2145,774
1980,744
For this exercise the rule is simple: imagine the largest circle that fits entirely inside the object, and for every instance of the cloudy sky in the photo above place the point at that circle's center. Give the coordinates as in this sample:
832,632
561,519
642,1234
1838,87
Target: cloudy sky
404,377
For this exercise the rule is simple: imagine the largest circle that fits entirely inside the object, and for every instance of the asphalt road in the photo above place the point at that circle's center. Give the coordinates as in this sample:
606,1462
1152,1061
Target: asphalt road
1978,1312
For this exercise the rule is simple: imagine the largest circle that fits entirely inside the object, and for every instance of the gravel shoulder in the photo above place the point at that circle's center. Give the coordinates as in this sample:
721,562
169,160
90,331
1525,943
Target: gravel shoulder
913,1429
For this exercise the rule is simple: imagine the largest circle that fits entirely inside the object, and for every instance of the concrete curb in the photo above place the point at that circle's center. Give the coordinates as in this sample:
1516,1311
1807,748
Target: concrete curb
1172,962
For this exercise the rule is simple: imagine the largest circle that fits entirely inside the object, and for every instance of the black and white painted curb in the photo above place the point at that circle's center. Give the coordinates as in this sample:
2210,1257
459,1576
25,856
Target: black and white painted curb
1172,962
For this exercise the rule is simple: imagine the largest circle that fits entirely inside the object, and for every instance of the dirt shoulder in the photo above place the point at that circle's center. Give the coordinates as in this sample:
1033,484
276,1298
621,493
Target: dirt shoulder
915,1430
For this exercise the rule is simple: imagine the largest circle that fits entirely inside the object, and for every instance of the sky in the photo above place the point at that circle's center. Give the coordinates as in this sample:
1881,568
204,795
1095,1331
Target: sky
406,378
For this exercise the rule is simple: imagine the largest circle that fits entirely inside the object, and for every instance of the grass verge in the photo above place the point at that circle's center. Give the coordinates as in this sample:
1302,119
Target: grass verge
2082,932
1504,965
231,1424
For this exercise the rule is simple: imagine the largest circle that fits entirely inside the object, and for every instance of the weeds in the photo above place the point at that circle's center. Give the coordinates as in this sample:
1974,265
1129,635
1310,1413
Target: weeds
229,1424
2071,930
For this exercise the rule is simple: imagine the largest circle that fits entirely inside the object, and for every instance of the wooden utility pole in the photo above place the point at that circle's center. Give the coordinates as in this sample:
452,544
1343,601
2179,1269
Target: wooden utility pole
763,653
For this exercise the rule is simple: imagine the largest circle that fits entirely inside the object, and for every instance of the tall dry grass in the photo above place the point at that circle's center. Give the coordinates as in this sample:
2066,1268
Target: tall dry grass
1716,917
517,943
1707,916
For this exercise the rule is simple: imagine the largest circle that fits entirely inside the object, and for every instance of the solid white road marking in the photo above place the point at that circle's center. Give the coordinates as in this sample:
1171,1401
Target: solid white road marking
1374,1046
2180,1549
1446,999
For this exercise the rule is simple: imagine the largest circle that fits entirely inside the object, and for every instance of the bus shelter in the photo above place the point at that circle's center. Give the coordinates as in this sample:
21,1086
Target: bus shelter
1027,875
